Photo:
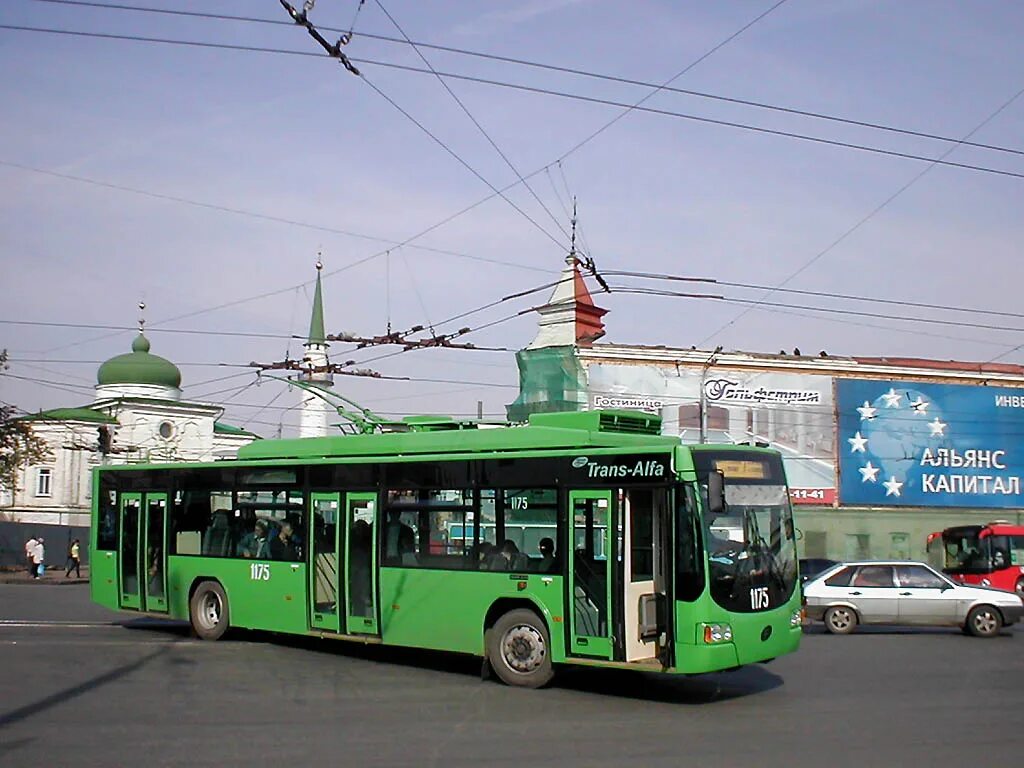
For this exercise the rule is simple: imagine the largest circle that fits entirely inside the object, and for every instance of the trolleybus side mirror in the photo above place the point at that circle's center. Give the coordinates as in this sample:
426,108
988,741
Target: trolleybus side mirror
716,493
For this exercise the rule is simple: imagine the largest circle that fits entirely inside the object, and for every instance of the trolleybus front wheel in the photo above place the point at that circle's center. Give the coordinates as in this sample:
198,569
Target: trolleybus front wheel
208,611
519,649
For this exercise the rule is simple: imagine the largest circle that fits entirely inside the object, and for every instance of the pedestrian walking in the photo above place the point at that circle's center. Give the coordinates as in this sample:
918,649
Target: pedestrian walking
74,562
30,549
38,559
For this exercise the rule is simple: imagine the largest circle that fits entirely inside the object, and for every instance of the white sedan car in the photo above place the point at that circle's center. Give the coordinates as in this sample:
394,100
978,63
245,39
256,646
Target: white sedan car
901,592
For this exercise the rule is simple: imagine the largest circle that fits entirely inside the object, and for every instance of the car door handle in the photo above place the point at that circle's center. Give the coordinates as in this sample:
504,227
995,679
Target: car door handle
906,594
855,593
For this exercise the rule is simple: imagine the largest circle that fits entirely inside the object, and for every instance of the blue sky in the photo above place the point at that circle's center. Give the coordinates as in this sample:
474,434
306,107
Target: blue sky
298,138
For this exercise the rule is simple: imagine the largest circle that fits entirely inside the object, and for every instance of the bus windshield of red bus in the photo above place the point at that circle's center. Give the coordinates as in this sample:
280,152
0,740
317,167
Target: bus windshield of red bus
967,551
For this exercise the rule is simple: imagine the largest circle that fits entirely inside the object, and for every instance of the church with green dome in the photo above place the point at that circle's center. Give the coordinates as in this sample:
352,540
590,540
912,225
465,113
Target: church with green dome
137,415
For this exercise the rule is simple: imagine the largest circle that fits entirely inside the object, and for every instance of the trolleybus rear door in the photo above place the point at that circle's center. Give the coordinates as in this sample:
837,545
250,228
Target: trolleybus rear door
591,563
142,571
128,550
154,583
361,563
324,573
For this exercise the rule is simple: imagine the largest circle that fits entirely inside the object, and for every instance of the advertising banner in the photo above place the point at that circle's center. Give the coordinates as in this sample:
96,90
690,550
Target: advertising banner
792,413
936,445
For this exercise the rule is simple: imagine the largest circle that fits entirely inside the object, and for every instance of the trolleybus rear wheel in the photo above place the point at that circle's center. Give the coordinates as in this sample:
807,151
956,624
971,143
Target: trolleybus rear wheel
519,649
208,611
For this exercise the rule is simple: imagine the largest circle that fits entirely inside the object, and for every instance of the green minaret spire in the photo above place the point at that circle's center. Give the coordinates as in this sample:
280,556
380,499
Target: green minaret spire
316,322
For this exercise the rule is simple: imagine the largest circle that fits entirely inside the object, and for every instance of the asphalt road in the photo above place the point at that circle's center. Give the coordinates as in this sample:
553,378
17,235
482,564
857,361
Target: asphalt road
81,686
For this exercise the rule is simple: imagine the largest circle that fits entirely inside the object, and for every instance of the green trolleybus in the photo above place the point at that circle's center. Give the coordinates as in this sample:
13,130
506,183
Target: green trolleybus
579,538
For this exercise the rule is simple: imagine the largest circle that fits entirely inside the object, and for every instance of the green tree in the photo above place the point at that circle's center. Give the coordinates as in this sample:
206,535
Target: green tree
19,446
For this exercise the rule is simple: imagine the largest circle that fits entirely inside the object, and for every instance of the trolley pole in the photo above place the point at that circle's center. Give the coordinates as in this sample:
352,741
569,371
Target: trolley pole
703,401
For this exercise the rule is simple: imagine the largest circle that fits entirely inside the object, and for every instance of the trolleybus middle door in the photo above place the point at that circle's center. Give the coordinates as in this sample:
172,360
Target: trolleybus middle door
324,574
361,563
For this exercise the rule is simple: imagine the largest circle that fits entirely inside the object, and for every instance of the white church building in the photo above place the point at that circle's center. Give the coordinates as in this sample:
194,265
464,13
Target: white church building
137,415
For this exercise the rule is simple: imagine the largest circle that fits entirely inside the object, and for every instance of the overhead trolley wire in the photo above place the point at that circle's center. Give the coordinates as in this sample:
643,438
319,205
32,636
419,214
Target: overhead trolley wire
831,310
627,107
825,294
475,122
874,211
562,69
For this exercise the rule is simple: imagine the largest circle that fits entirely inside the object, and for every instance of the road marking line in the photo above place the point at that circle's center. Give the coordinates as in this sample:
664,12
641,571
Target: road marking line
56,624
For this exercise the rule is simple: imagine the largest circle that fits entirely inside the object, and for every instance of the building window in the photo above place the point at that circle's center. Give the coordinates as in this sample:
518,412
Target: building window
166,430
899,545
815,544
43,478
858,546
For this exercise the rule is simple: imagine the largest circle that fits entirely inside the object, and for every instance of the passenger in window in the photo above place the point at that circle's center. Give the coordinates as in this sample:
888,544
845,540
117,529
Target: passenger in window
255,545
359,567
407,546
509,558
480,554
155,572
547,555
394,532
283,546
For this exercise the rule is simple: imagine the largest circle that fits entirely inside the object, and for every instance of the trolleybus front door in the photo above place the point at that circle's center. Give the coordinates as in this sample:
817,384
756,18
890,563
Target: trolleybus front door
643,515
142,572
325,533
591,566
361,563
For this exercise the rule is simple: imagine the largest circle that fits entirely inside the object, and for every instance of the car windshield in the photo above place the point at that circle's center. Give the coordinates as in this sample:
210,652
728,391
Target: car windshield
751,548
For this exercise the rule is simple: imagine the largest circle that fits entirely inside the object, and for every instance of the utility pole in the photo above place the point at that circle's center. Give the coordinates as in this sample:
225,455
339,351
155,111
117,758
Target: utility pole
703,407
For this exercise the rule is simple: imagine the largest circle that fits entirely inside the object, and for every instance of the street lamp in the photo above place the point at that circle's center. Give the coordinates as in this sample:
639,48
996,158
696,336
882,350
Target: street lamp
703,402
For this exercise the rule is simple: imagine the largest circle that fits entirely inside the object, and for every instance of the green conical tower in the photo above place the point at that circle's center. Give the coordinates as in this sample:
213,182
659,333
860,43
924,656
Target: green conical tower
316,321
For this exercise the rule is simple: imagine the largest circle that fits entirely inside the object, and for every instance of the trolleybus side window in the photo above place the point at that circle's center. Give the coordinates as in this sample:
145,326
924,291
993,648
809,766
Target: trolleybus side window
106,535
489,529
252,524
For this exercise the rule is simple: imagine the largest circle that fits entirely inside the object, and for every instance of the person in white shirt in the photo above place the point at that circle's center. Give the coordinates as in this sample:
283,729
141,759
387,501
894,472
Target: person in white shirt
30,548
38,558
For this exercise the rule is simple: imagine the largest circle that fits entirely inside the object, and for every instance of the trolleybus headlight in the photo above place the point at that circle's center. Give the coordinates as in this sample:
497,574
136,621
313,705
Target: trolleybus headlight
717,633
797,619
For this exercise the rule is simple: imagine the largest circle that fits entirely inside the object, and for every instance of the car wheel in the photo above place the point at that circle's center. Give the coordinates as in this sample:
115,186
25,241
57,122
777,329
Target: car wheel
1019,586
840,620
984,621
519,649
208,611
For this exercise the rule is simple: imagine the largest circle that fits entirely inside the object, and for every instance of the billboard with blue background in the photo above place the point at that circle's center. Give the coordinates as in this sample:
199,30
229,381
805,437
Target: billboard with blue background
904,443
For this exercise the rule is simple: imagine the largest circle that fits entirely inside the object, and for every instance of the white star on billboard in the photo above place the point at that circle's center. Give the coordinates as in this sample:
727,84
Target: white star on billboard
938,428
857,443
892,487
869,473
866,411
920,406
892,398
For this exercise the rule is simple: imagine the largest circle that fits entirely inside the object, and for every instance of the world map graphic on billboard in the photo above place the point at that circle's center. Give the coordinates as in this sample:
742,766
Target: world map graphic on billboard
906,443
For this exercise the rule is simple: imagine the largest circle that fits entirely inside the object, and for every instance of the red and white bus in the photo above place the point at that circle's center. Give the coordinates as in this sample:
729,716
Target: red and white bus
991,555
